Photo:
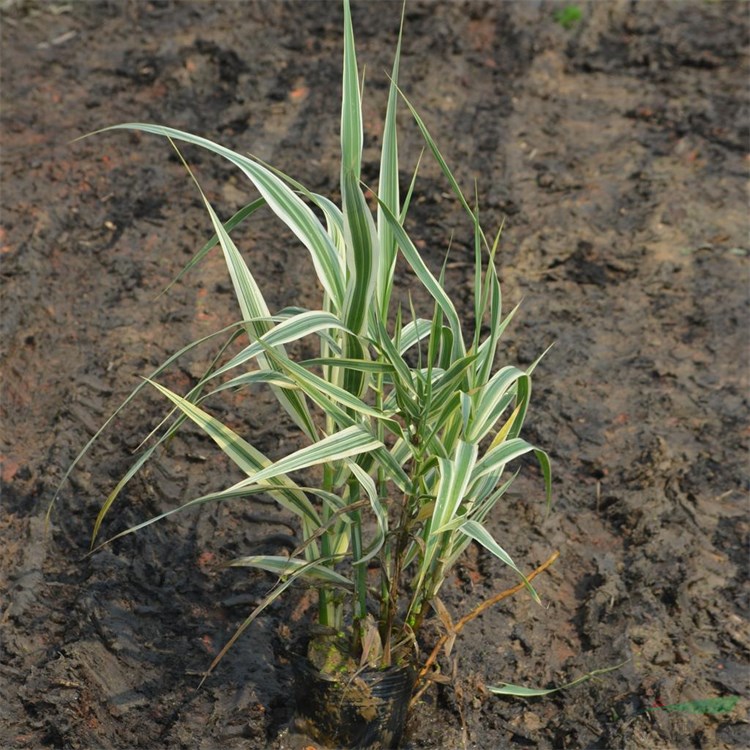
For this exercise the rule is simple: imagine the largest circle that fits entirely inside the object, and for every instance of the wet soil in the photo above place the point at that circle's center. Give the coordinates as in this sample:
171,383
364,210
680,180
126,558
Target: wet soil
616,153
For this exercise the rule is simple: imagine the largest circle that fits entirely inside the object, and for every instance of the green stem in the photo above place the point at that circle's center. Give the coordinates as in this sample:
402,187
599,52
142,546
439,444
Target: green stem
327,615
360,570
390,600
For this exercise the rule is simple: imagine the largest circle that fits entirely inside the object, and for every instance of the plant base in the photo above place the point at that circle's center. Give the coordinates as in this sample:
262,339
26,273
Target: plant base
364,710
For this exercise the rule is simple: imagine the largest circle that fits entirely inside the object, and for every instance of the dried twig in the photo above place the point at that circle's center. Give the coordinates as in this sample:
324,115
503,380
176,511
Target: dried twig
459,626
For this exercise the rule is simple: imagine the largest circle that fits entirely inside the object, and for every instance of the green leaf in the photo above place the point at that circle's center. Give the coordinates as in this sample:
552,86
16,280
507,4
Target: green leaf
505,688
479,534
284,566
378,508
362,249
412,333
234,329
705,706
441,162
351,108
344,444
254,308
494,302
244,455
493,399
265,377
448,382
315,386
281,200
107,504
292,329
290,490
428,280
271,597
454,479
388,188
365,365
495,460
568,16
229,225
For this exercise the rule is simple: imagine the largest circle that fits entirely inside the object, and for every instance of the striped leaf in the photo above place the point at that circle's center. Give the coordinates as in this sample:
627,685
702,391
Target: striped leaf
455,475
315,385
292,329
344,444
362,252
412,333
311,572
506,688
426,277
249,459
494,461
233,493
493,399
281,200
254,309
479,534
229,225
388,189
378,508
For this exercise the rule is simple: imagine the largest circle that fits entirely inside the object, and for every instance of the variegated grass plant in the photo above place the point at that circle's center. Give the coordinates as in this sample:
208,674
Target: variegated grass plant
423,449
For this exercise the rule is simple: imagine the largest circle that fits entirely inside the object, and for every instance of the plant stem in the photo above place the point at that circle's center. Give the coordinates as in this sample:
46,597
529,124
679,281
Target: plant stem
391,600
326,604
360,570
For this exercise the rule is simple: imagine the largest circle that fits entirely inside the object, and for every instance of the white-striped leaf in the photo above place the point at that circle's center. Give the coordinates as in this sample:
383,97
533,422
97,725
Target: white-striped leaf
388,187
479,534
379,510
282,201
495,460
430,283
493,399
455,475
293,329
348,442
254,309
249,459
312,572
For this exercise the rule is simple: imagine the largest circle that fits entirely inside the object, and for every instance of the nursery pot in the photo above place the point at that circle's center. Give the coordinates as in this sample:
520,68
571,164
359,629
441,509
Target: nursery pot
365,710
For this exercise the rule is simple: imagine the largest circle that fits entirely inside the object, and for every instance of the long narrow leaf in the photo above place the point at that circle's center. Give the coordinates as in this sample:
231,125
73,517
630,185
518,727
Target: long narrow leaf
479,534
284,566
496,458
234,328
388,189
505,688
280,198
493,399
313,383
271,597
244,455
292,329
229,225
455,475
344,444
378,508
254,308
431,284
440,160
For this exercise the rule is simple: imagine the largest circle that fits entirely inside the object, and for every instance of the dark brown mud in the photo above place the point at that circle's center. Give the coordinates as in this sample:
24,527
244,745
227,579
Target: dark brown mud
616,152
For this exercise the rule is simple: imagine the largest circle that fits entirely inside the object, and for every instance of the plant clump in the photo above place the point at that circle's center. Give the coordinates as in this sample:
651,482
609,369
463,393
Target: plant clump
406,417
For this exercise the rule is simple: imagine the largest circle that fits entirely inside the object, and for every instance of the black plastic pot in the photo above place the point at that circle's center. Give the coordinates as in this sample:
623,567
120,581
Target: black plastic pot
365,710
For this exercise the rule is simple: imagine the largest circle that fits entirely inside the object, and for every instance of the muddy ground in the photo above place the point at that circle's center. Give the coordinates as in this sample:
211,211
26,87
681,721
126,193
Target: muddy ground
616,152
